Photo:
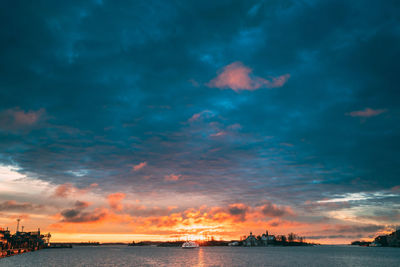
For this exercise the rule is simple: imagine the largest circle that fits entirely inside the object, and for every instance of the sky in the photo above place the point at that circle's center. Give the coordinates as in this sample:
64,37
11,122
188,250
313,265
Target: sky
163,120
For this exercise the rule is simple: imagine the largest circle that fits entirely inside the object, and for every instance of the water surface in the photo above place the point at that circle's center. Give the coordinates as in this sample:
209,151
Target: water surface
326,256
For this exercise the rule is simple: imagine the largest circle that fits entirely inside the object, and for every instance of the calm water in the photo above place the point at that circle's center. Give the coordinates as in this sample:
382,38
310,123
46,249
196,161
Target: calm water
209,256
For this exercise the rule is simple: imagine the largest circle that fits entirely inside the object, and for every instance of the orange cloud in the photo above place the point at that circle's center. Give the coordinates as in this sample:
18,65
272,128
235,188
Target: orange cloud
197,223
230,221
139,166
237,76
115,199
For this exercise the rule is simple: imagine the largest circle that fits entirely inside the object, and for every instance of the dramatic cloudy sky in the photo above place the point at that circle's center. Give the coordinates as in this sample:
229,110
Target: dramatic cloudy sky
124,120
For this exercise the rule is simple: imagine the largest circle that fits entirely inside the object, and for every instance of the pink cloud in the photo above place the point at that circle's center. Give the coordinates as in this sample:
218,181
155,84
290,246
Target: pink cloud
172,177
68,189
195,117
16,118
220,133
26,118
64,190
204,113
237,76
115,199
366,113
139,166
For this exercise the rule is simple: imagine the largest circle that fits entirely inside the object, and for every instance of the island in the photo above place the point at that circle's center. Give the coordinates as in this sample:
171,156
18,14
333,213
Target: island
251,240
390,240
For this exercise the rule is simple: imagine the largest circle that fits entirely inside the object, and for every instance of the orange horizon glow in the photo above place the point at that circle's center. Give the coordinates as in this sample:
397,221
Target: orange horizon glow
128,238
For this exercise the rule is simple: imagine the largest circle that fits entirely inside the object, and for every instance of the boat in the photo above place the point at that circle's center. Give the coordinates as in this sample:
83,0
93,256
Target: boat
190,244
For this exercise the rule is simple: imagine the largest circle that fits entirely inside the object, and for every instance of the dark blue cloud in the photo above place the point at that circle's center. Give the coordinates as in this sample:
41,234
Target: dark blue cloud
116,83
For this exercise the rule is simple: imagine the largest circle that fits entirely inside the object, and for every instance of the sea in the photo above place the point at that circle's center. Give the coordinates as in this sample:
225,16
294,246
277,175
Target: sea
325,256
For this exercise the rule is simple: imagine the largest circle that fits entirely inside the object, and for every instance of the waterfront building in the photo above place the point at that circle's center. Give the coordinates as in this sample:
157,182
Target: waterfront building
21,241
262,240
250,241
3,240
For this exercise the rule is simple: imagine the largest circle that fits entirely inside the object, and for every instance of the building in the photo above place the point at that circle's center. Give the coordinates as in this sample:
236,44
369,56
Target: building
4,244
267,239
21,241
264,240
3,240
250,241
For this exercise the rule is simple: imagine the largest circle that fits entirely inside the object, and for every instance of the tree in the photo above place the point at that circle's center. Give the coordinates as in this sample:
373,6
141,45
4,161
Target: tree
291,237
281,238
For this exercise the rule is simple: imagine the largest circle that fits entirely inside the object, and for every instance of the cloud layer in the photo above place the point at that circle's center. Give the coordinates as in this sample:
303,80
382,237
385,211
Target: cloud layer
157,114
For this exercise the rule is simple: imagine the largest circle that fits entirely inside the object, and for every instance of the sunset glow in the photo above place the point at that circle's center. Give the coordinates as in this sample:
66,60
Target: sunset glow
86,214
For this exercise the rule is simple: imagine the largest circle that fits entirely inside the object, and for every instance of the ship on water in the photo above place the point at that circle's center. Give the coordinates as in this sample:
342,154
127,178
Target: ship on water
190,244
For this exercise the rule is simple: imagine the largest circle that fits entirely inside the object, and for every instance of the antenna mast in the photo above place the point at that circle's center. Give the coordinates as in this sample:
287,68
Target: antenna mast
18,224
